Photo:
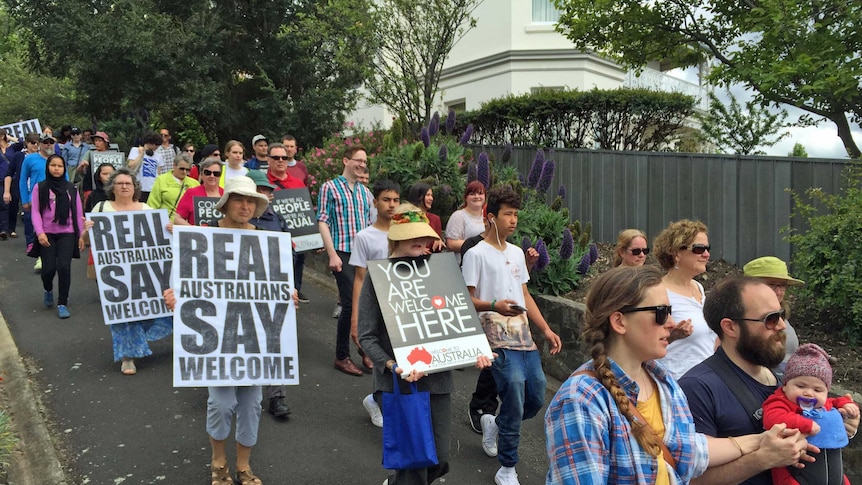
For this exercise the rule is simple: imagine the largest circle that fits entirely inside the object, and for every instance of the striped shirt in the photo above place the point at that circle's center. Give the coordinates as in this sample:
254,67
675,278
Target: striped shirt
346,211
590,442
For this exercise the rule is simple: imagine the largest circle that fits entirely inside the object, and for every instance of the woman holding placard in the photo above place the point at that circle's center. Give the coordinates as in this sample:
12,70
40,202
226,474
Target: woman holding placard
211,169
409,234
130,339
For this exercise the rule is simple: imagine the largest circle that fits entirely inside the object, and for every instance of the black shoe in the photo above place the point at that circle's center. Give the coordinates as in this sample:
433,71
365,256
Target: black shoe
475,417
302,298
278,407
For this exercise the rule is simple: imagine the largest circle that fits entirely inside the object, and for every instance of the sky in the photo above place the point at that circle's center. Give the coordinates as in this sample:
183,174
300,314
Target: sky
819,141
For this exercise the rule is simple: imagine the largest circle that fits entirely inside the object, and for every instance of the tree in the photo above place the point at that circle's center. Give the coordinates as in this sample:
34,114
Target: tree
415,40
798,151
231,68
737,129
805,53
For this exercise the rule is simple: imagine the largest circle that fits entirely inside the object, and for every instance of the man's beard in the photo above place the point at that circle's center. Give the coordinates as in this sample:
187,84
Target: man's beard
761,351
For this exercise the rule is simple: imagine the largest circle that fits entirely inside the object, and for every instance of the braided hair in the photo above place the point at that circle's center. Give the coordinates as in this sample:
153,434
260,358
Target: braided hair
621,287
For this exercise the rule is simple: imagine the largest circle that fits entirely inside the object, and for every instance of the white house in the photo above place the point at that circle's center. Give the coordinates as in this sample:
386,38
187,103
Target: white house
514,49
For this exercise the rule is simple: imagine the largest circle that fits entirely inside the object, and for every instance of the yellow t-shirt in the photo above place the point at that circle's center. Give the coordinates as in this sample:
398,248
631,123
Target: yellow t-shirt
651,410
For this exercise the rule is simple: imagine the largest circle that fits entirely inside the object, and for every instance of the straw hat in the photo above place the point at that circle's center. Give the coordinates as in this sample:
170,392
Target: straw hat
409,222
245,186
770,267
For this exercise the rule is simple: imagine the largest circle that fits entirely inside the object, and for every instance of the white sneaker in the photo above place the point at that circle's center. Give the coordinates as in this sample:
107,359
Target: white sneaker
373,409
506,475
489,434
38,266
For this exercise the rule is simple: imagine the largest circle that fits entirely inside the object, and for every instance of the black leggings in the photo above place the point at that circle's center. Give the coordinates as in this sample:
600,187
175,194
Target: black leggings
57,259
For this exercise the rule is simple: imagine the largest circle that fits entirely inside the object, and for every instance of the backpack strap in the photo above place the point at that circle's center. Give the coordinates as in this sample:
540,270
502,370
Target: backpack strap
638,416
738,387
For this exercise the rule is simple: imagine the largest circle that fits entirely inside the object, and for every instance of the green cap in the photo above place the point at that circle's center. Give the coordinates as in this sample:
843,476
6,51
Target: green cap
770,267
260,179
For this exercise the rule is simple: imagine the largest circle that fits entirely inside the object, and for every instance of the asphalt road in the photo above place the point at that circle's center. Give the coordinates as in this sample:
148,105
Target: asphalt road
114,429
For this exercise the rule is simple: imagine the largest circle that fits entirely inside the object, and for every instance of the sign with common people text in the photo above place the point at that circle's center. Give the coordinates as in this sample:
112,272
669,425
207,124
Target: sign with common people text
21,128
97,159
206,214
234,320
299,215
429,315
132,252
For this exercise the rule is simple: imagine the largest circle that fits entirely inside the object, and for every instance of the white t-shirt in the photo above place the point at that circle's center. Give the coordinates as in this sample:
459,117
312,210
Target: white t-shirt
230,173
500,275
683,354
463,225
369,244
148,170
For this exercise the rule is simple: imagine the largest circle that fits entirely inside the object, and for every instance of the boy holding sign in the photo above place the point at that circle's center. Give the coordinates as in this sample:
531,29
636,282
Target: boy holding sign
496,276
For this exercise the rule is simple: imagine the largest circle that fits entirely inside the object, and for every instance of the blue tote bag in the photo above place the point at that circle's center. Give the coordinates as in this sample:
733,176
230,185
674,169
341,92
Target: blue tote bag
408,438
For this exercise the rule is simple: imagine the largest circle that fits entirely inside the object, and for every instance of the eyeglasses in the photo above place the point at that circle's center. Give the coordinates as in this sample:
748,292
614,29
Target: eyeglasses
166,135
661,312
32,142
770,319
190,150
123,184
185,169
697,248
216,154
777,286
48,142
360,160
638,251
210,173
279,157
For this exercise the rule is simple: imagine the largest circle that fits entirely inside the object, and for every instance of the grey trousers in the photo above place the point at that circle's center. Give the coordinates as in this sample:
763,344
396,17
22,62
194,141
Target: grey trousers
226,402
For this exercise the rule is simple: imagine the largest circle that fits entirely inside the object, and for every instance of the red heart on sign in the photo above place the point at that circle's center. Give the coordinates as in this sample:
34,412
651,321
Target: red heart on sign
438,302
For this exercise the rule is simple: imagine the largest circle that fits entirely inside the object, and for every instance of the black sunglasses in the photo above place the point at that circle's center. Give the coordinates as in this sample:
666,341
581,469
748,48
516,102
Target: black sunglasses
279,157
210,172
697,248
638,251
770,319
661,312
185,169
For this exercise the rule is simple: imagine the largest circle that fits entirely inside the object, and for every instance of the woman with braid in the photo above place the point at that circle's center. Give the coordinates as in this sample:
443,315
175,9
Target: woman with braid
621,418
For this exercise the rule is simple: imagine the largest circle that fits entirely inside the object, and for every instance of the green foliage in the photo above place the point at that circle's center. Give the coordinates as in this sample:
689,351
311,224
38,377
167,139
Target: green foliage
324,162
619,119
8,440
737,129
828,256
804,54
798,151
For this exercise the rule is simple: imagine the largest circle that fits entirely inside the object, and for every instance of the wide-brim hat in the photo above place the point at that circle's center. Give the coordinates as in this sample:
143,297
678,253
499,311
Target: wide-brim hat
410,224
244,186
770,267
102,135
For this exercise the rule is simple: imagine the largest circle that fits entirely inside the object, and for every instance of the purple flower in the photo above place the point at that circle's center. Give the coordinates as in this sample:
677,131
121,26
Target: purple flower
443,154
584,265
465,139
507,153
594,253
434,125
567,248
526,243
547,176
561,192
483,171
536,169
450,121
544,259
426,138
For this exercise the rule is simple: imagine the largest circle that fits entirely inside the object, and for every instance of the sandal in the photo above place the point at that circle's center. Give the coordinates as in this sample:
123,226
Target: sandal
128,368
246,477
221,476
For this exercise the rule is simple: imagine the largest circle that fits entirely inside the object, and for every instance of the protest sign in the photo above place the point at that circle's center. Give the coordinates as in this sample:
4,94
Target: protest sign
298,212
97,158
132,252
21,128
205,211
429,315
234,321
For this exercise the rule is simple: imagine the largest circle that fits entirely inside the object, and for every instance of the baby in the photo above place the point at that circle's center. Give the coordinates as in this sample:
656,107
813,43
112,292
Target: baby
802,403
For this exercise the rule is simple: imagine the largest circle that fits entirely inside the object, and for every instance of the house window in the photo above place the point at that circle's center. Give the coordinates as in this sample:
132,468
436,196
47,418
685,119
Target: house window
459,106
544,12
546,89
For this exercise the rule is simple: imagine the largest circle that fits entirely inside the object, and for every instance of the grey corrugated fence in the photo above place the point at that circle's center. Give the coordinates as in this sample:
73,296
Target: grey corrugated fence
742,199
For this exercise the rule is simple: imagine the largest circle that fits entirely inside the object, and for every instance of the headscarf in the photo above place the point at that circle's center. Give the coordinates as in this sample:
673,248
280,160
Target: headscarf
98,194
61,188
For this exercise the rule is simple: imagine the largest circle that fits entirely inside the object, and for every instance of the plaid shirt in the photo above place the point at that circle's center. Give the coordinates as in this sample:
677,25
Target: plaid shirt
168,156
590,442
346,211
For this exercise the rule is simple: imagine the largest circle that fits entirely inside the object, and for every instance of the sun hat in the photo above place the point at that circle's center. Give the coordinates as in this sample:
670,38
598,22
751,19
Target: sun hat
245,186
409,222
102,135
260,179
770,267
809,360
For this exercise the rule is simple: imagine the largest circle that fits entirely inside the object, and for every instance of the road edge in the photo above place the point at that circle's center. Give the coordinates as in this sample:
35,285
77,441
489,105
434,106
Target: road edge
35,461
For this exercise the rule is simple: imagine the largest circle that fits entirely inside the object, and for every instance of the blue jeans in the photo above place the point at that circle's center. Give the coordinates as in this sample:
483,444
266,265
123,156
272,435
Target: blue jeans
29,234
521,386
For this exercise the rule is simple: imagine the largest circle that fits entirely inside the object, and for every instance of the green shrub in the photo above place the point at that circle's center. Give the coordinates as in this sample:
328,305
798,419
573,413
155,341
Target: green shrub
828,256
324,163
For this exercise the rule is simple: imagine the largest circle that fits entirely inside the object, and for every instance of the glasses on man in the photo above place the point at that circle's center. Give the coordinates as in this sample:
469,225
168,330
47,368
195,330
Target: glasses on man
212,173
770,320
360,160
279,157
216,154
661,312
185,169
697,248
777,286
190,150
638,251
